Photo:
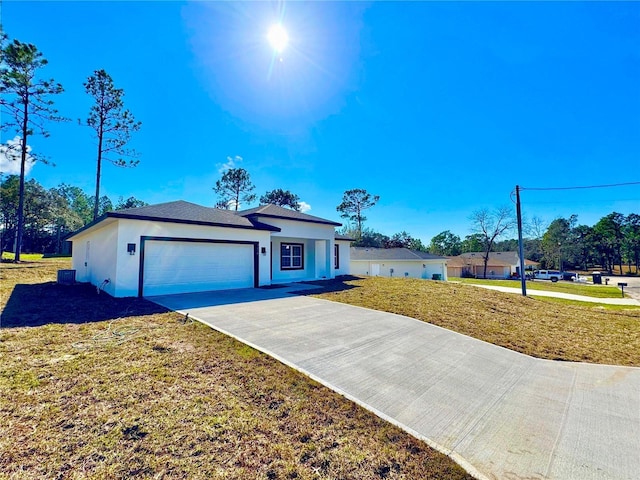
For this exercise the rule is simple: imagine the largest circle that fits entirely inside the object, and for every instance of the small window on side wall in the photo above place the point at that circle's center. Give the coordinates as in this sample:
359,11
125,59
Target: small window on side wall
336,256
291,256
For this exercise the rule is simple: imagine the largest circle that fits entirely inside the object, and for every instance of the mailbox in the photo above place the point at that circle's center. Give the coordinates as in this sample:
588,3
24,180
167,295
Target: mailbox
622,285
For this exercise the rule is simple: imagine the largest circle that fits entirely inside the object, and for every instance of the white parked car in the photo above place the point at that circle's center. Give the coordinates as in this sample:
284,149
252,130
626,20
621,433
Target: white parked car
553,275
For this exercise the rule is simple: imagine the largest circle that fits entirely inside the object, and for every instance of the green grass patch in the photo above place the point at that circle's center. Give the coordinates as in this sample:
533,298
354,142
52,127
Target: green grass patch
596,291
15,380
577,303
24,257
114,389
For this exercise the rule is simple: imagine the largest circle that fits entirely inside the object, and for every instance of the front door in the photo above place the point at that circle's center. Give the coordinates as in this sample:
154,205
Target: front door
375,269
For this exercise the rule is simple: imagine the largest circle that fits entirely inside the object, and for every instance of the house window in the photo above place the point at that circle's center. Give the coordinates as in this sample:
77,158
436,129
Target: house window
336,256
291,256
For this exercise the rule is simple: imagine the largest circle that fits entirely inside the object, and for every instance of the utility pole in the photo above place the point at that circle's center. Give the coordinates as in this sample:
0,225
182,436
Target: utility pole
523,278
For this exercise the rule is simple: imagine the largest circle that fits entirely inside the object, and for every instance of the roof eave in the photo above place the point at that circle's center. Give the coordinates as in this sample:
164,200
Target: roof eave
255,225
281,217
92,224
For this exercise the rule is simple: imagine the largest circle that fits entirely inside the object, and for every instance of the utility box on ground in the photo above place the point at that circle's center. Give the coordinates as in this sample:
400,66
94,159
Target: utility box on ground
597,278
66,277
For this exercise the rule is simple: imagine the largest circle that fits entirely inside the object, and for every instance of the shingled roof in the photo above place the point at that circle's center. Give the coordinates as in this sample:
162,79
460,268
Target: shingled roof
185,212
510,258
191,213
339,236
404,254
275,211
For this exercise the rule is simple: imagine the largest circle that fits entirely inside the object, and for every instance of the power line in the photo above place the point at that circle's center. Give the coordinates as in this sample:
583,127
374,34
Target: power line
554,200
582,188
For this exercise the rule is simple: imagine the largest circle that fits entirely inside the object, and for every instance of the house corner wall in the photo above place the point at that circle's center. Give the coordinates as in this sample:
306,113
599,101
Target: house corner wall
94,258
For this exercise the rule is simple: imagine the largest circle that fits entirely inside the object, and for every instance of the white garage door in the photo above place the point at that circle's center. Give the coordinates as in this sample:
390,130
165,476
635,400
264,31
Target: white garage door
183,267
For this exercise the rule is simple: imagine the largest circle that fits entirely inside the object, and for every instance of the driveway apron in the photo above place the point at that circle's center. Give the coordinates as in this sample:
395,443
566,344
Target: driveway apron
498,413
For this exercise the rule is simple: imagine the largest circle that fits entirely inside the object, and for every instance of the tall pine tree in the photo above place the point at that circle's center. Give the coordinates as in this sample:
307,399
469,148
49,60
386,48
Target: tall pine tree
233,188
113,126
25,105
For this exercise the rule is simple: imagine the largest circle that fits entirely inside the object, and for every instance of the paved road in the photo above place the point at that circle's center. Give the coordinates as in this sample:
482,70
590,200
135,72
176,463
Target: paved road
633,285
498,413
569,296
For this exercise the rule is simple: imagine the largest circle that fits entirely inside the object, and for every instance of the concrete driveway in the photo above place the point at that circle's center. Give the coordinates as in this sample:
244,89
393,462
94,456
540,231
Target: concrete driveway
498,413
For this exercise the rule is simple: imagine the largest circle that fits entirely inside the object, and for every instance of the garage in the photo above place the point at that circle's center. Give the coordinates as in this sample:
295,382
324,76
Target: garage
172,265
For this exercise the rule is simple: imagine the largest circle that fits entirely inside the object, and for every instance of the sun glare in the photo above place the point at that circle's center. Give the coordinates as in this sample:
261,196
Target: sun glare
278,37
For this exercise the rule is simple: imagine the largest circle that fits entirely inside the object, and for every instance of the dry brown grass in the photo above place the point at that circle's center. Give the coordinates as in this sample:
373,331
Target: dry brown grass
148,396
527,325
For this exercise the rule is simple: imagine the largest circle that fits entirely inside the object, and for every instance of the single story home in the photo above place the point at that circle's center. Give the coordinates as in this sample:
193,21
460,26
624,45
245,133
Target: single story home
499,265
397,262
181,247
474,267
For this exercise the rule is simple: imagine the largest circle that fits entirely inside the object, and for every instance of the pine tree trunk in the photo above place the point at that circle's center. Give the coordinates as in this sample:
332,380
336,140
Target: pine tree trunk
23,162
96,205
620,260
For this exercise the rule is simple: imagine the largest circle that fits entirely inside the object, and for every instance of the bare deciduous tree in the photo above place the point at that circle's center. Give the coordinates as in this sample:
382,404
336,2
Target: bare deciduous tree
490,225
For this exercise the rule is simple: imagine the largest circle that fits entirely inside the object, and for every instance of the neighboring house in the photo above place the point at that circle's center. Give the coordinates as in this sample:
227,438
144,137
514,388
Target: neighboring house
474,267
181,247
397,262
500,264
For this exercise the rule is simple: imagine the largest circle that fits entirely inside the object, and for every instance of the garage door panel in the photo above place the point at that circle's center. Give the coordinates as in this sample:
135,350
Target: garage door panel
182,267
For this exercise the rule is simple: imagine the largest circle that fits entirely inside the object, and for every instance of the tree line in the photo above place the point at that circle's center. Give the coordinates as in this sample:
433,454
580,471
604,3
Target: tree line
49,214
235,188
27,106
613,241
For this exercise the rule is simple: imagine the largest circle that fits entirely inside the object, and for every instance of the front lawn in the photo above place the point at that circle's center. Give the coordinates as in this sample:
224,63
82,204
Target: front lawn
97,387
596,291
535,327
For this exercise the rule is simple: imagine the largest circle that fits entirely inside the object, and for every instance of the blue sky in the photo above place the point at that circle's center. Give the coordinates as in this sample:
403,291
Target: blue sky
439,108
